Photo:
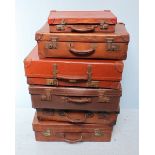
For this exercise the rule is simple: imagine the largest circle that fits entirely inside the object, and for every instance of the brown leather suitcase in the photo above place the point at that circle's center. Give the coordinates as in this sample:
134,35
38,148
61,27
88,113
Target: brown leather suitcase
83,45
46,97
72,133
77,72
82,21
77,116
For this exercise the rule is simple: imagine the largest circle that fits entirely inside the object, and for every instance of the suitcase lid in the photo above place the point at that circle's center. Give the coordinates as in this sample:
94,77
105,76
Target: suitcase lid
72,69
52,127
81,17
120,35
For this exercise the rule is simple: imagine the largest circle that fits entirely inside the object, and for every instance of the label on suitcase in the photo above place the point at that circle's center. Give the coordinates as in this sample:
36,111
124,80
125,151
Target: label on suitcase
72,133
82,21
83,45
45,97
77,116
69,72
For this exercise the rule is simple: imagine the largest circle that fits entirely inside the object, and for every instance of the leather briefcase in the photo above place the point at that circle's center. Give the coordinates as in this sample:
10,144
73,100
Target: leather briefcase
46,97
72,133
83,45
77,116
77,72
82,21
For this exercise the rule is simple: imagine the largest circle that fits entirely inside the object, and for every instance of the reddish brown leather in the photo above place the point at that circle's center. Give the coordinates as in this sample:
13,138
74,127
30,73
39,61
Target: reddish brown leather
108,73
72,133
77,116
83,21
78,17
83,42
44,97
65,83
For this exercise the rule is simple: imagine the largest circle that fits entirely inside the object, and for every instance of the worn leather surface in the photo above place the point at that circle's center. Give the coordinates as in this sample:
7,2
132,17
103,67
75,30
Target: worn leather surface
56,131
77,116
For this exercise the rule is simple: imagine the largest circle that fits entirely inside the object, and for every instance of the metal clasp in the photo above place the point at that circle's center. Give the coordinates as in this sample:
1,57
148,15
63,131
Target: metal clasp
104,25
47,133
61,26
52,44
111,46
98,132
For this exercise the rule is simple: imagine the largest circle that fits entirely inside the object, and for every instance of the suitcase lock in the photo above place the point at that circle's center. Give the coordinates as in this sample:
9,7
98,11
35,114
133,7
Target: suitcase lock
47,133
61,26
52,44
98,133
111,46
104,26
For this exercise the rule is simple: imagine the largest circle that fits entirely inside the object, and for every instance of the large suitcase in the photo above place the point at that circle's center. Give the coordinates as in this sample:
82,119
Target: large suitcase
72,133
83,45
46,97
77,116
82,21
77,72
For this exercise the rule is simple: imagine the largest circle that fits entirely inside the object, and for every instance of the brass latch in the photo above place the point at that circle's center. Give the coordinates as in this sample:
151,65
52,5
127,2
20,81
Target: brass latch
47,133
98,132
52,44
111,46
61,26
104,25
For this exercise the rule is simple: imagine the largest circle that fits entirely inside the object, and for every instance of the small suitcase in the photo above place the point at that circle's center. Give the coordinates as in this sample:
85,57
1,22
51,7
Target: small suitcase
72,133
82,21
77,116
66,98
68,72
83,45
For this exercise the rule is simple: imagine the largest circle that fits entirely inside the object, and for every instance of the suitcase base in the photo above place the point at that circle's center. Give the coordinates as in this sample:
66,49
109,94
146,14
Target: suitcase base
71,133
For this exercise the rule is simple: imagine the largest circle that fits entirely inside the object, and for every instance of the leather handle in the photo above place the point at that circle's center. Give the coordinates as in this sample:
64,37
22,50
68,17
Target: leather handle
84,30
72,141
81,52
75,120
72,79
79,100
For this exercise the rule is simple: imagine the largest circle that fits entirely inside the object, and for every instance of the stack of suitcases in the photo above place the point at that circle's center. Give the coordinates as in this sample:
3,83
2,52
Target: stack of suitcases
74,76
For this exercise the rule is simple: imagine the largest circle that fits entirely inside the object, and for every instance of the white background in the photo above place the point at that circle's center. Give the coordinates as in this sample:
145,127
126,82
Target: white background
32,14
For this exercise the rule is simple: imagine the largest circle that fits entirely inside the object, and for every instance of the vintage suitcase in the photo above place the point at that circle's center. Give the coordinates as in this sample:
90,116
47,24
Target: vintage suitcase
46,97
68,72
83,45
82,21
77,116
72,133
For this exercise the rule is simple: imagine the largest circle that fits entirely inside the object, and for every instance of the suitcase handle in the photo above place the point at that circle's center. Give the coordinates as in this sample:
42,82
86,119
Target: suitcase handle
81,52
83,30
75,120
79,101
72,141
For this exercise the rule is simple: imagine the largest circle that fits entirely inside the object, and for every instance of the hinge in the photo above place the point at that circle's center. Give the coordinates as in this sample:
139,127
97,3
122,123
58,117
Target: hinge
52,44
111,46
61,26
